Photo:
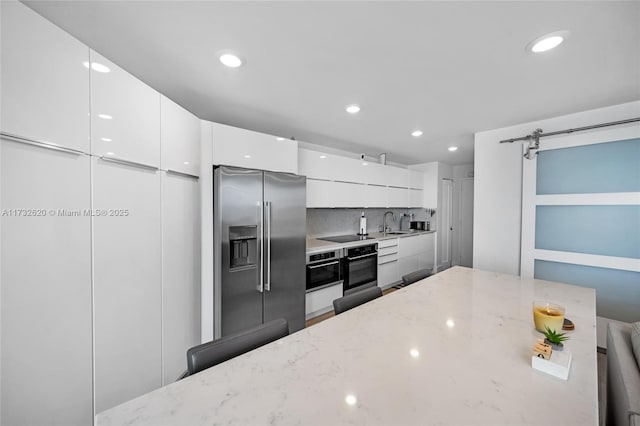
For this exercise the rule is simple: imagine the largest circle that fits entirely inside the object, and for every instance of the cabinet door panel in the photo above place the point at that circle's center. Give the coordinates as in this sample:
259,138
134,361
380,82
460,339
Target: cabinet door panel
397,197
127,283
233,146
346,194
408,264
180,138
46,288
125,115
320,301
319,193
416,179
375,196
416,198
45,86
388,273
180,272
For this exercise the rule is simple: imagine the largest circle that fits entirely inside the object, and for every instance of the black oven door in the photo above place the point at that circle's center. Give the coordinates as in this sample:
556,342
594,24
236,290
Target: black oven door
360,270
323,274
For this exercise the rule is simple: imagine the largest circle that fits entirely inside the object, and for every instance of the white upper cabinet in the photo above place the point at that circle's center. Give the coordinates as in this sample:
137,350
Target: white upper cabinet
321,165
180,138
397,197
416,179
45,80
125,114
233,146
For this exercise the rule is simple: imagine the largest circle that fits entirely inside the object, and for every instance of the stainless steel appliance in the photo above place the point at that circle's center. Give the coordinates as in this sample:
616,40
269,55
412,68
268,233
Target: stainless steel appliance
324,269
360,267
417,224
259,248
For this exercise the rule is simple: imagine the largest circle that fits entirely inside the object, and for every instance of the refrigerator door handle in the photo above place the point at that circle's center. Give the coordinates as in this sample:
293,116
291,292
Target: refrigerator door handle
260,286
267,207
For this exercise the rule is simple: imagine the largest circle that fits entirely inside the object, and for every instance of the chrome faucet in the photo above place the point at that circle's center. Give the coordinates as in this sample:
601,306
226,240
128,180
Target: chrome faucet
384,221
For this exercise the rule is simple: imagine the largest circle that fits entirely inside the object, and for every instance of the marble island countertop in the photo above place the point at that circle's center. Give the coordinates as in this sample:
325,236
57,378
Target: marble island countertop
452,349
315,245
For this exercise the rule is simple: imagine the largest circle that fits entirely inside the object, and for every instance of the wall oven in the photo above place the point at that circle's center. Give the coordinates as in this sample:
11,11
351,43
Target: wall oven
324,269
360,268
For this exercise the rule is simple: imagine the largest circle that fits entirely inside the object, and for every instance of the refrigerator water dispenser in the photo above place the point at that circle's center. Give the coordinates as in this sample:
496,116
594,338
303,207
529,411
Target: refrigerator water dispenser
243,244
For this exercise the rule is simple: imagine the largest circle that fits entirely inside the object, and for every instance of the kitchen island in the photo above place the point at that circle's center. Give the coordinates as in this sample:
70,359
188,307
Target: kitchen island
454,349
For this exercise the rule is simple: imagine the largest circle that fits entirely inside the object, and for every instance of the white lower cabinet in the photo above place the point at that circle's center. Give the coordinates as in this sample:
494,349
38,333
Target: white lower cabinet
127,283
320,301
45,308
415,252
180,272
388,269
388,272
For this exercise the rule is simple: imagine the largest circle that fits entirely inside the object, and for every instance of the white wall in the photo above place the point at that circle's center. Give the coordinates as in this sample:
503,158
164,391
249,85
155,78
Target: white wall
498,184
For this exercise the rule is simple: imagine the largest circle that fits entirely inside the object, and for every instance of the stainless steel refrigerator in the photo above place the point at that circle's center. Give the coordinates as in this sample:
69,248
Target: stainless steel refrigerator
259,248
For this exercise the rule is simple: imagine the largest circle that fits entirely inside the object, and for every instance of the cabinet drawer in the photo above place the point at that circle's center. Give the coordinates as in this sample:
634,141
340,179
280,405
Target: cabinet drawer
384,251
320,301
387,243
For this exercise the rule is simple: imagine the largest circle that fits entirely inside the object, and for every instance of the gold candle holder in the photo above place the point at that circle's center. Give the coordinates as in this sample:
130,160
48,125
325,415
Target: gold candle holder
547,314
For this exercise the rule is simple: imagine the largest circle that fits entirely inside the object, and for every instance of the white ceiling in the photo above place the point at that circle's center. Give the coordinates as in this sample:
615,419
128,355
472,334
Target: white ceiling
447,68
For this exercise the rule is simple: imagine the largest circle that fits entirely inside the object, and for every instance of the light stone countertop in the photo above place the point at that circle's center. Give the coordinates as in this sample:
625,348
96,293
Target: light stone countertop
315,245
452,349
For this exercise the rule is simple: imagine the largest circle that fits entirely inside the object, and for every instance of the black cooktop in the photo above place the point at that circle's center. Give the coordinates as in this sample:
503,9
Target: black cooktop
346,238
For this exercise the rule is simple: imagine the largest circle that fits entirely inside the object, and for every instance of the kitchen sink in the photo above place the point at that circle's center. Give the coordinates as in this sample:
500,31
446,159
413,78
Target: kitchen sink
399,232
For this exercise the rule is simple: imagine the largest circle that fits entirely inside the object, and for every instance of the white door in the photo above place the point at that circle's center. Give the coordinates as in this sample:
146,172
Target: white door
446,223
465,224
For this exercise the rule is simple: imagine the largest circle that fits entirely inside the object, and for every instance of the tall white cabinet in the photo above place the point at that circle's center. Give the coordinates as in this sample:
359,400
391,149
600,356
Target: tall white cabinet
180,272
45,244
46,287
99,231
127,277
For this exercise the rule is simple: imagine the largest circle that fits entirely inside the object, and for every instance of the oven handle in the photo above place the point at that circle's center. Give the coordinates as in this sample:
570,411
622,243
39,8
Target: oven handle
323,264
363,256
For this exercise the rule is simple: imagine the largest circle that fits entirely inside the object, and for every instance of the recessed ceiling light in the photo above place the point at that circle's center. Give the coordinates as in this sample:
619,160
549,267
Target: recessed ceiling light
351,400
105,116
364,163
450,323
110,153
353,109
414,353
186,163
105,139
280,138
97,66
453,148
416,133
247,156
547,41
323,156
230,60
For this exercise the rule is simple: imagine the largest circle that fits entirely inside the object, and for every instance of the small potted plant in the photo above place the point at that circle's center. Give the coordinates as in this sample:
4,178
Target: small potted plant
551,337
